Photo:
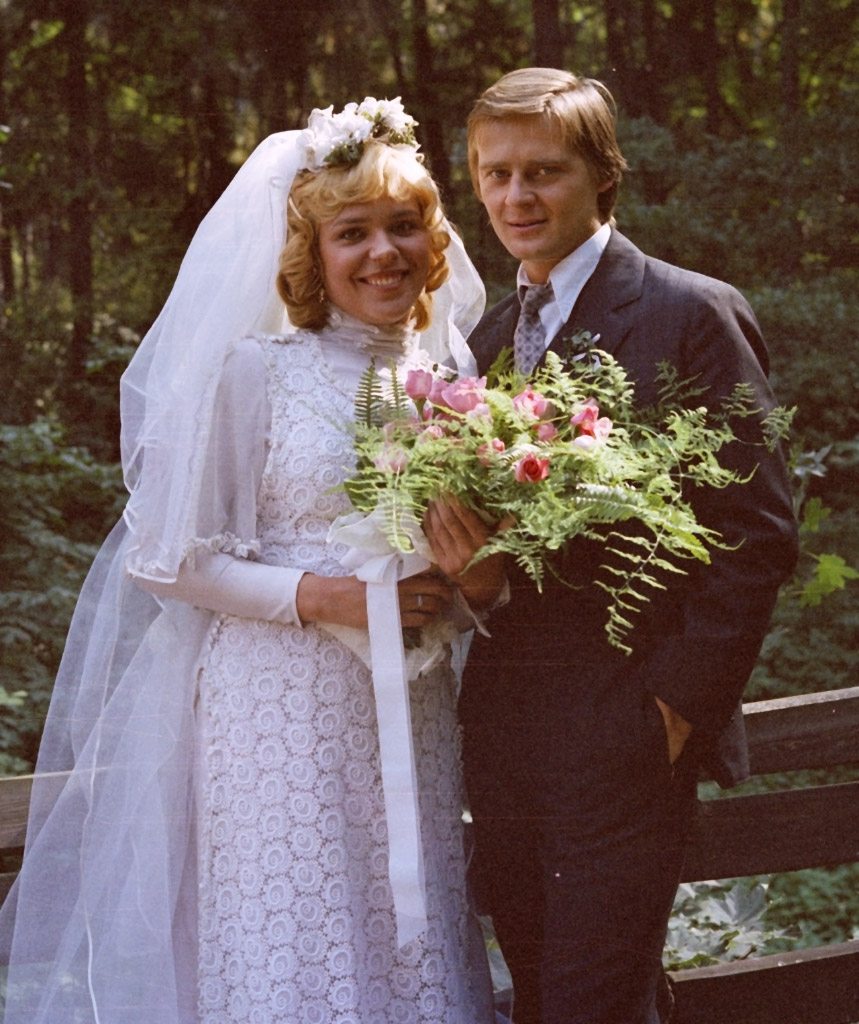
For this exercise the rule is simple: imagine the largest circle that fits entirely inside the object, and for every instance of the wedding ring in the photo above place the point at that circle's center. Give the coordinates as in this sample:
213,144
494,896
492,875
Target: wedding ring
420,601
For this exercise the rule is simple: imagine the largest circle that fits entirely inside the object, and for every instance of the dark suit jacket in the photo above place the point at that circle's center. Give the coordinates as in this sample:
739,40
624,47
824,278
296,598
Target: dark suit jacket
696,643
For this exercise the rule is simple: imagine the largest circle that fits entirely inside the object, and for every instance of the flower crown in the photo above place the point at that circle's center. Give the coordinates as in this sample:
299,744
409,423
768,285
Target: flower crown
338,140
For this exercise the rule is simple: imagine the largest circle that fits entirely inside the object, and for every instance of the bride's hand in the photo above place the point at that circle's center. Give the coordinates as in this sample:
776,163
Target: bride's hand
424,598
342,600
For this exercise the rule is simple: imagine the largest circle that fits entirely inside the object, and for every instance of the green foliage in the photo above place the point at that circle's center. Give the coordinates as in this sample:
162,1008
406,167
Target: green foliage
55,503
820,904
713,922
10,764
377,404
830,575
708,204
820,573
813,643
811,327
750,209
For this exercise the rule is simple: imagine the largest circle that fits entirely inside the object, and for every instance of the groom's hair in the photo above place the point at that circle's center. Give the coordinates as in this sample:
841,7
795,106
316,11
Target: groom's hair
583,108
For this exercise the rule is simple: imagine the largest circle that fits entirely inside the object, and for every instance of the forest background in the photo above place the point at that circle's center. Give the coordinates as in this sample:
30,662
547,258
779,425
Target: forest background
121,122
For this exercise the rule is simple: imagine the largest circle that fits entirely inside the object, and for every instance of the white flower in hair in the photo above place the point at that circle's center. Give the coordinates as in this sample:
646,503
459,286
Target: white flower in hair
332,140
390,112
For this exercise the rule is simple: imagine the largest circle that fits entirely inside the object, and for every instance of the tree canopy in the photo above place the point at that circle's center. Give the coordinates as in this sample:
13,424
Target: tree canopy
124,121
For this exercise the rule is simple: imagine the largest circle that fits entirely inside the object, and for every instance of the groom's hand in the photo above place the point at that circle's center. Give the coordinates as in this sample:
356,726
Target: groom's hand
456,533
677,727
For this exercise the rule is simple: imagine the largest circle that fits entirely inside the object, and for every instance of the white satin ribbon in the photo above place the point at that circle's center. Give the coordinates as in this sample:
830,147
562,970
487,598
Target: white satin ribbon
374,561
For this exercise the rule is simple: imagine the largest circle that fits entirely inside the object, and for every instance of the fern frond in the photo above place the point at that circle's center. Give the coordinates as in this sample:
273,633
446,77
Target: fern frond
369,397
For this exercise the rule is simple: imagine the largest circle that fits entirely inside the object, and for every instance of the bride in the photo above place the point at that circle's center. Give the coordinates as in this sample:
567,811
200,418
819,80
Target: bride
220,832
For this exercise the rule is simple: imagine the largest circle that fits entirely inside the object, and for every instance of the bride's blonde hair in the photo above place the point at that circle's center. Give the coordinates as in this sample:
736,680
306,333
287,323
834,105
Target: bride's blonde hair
317,197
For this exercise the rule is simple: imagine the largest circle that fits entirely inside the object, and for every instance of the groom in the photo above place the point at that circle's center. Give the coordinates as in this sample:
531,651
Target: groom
581,762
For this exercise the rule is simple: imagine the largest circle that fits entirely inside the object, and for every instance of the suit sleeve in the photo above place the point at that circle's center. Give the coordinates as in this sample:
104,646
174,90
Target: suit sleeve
712,624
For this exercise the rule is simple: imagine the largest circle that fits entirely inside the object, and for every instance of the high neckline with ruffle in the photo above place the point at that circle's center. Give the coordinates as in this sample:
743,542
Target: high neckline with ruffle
348,345
388,340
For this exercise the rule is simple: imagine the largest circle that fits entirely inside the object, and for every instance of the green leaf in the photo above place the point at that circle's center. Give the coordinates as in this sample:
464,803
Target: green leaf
814,513
368,397
831,573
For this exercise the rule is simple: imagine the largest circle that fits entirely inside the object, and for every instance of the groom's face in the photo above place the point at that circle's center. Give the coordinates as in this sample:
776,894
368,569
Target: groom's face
540,195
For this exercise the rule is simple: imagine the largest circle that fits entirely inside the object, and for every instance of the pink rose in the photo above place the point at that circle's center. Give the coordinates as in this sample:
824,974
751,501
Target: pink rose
392,458
481,411
463,394
486,451
439,386
432,432
602,428
546,432
531,404
531,470
590,423
419,384
586,416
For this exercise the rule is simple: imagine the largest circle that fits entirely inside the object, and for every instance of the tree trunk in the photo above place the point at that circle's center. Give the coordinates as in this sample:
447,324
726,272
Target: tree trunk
388,22
7,273
710,59
620,53
791,118
548,40
431,125
790,88
651,86
79,212
7,269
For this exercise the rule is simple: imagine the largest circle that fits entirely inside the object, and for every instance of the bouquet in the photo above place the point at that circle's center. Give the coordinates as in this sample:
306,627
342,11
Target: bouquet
563,454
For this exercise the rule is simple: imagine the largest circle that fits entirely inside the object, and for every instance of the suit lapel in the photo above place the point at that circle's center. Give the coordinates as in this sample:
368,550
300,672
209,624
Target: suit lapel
608,301
494,332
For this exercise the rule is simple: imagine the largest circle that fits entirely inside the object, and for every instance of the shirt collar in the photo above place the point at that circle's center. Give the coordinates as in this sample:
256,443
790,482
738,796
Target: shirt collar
570,275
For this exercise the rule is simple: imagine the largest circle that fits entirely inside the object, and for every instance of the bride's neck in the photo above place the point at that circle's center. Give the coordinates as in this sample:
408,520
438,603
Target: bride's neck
387,339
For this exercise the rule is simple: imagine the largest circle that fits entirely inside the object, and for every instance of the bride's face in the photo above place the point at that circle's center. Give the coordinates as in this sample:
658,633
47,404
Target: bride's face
375,259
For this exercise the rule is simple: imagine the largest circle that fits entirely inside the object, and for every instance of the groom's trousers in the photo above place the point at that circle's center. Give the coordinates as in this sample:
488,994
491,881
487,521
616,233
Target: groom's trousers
579,824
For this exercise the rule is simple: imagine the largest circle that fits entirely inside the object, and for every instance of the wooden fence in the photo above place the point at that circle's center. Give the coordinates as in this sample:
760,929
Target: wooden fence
771,832
736,836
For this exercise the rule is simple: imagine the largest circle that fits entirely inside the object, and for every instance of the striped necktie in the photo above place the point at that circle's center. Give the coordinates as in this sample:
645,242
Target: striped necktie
529,339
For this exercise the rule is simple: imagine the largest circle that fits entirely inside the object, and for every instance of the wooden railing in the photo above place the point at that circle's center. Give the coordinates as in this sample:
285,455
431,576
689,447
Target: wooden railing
771,832
759,834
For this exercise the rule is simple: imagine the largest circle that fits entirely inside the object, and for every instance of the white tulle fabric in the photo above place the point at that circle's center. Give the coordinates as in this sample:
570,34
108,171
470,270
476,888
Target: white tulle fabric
122,913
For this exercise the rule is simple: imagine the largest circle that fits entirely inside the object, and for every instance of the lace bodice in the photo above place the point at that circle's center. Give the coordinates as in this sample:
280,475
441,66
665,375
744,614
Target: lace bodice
312,383
309,456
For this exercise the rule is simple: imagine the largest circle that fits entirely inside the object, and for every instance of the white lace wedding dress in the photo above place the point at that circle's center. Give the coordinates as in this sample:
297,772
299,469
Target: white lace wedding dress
296,922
